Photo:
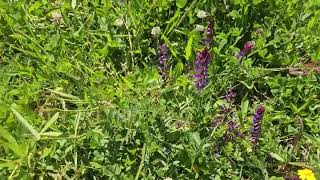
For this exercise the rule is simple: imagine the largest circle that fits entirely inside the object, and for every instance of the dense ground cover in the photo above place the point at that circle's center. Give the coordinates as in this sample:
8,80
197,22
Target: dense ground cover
158,89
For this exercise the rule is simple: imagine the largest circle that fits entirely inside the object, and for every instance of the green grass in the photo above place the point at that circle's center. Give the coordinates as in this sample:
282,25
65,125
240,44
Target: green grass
81,96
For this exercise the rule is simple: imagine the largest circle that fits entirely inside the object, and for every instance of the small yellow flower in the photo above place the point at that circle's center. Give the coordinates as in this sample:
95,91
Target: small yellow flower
306,174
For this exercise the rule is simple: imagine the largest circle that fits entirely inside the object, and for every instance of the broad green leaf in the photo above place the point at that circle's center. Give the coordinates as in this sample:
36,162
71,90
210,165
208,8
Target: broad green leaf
277,157
188,49
181,3
262,52
26,124
195,138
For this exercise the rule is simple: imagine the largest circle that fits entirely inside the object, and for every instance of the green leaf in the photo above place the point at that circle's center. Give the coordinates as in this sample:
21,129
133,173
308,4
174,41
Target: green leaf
51,134
26,124
9,164
65,95
172,22
18,36
255,2
170,46
244,107
248,86
196,138
28,53
262,52
6,135
11,142
181,3
178,69
51,121
312,139
188,49
277,157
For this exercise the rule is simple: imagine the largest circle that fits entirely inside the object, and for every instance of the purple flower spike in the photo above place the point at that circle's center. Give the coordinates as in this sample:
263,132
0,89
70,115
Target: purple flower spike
163,58
256,127
230,96
216,122
208,34
248,46
201,69
232,125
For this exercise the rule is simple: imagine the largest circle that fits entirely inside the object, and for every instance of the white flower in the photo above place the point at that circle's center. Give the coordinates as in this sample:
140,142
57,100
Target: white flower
168,178
56,18
156,31
202,14
199,28
118,22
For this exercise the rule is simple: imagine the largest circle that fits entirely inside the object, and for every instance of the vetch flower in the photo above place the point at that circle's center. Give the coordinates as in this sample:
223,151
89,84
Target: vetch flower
163,58
306,174
232,125
201,14
230,96
208,34
248,46
259,31
256,127
217,121
201,69
156,31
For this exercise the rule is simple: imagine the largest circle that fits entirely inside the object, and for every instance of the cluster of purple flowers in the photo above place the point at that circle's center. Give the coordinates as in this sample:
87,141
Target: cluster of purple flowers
163,58
201,69
225,110
203,59
248,46
230,96
256,126
232,126
208,34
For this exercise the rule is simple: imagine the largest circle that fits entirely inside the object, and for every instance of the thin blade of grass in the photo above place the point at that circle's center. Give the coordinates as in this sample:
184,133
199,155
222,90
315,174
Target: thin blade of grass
51,121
